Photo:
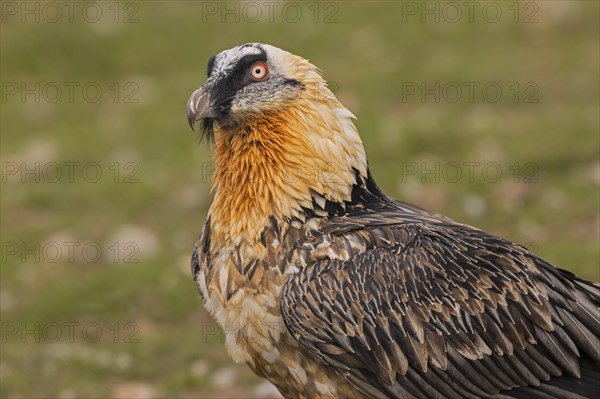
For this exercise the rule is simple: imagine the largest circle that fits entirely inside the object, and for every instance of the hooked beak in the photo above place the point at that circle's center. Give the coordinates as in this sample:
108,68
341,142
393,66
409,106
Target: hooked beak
198,107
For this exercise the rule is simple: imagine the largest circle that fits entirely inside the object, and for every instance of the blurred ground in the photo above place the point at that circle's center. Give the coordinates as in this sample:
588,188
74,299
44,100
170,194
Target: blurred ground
488,113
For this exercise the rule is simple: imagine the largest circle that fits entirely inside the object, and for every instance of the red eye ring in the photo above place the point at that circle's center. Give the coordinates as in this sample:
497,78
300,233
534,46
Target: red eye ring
259,70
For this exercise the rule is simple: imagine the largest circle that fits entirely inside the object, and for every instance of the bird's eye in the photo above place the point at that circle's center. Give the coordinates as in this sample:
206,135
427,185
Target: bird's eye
259,70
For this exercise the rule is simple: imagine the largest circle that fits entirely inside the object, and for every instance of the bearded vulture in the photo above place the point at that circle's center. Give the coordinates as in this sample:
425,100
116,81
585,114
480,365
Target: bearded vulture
330,289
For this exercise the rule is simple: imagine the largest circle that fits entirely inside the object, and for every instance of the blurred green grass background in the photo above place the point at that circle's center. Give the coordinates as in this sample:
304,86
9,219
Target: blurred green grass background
153,337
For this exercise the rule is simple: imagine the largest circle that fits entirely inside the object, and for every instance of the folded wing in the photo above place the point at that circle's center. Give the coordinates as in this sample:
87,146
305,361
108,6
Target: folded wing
442,310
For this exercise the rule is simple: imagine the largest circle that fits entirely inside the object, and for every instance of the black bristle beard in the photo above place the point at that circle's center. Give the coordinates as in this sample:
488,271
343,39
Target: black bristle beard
206,131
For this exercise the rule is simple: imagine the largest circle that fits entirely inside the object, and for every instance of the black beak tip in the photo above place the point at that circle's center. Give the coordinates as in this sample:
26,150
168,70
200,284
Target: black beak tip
191,117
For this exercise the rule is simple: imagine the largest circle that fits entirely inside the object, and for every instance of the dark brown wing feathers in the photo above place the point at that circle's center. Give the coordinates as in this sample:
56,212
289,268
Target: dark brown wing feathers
418,306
